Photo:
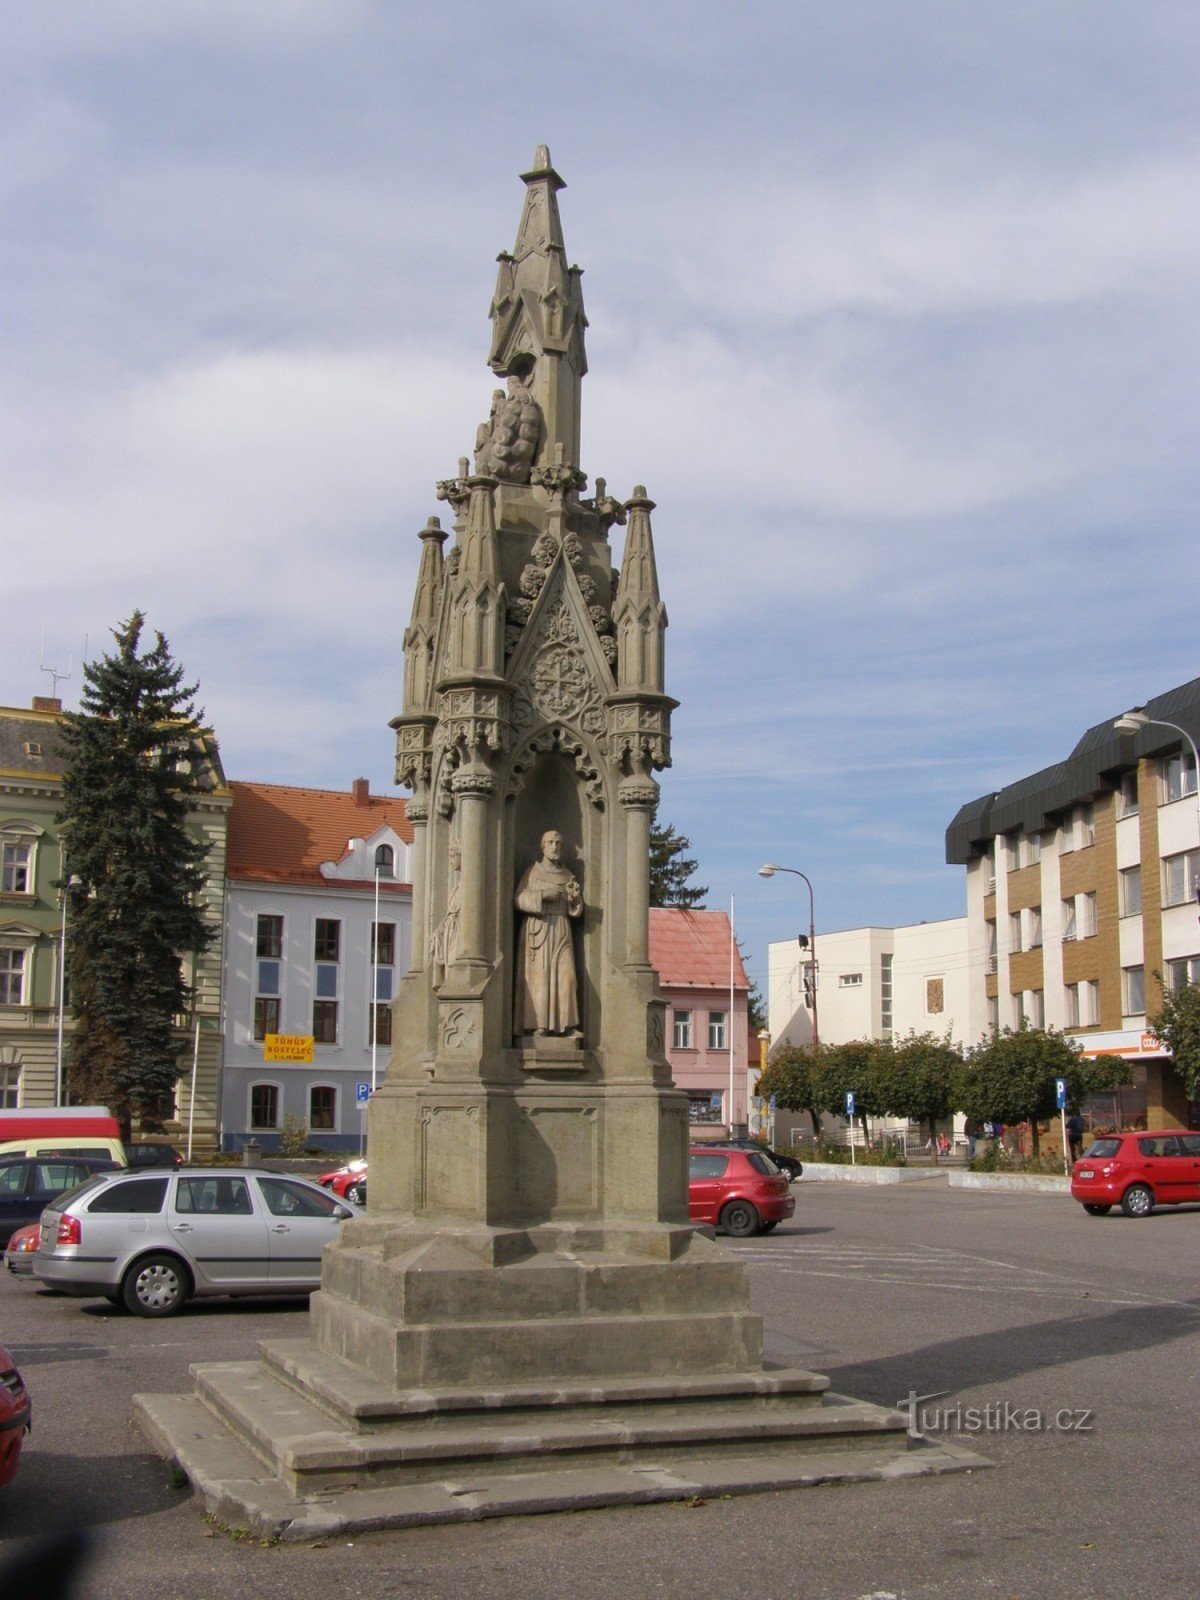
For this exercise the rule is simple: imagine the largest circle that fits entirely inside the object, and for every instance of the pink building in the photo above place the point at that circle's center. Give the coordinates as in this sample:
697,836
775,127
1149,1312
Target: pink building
700,969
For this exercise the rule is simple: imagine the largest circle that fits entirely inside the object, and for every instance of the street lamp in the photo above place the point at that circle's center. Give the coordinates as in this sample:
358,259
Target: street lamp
73,882
769,871
1134,721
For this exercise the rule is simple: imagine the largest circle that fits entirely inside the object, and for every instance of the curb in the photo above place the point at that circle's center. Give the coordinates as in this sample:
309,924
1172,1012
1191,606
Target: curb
837,1172
1011,1182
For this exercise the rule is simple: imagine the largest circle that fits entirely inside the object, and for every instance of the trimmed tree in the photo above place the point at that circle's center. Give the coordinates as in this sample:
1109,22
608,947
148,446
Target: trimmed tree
792,1076
1010,1077
1178,1026
920,1078
671,870
134,758
853,1067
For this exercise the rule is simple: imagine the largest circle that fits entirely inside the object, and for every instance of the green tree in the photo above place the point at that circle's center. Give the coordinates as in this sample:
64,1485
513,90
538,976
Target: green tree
134,757
920,1078
1178,1026
853,1067
671,870
792,1076
1010,1077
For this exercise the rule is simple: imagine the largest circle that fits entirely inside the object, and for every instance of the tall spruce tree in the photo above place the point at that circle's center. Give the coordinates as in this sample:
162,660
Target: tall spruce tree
670,870
135,757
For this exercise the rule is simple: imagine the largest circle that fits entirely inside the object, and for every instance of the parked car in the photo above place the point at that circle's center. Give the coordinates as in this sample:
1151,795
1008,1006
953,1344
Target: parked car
29,1183
742,1192
349,1181
1137,1171
15,1416
18,1256
150,1241
152,1153
785,1163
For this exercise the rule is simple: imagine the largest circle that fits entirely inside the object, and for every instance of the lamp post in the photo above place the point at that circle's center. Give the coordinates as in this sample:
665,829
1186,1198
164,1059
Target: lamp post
382,869
769,871
72,882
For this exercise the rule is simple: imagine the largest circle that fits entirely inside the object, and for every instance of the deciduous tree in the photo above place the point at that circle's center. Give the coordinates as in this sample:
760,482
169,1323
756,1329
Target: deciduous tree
1178,1026
1010,1076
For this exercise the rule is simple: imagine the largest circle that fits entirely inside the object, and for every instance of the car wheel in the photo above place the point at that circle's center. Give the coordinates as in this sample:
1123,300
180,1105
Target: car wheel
739,1219
156,1286
1137,1201
356,1193
1096,1211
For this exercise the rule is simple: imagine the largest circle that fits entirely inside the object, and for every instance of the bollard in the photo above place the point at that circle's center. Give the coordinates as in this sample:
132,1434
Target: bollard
252,1153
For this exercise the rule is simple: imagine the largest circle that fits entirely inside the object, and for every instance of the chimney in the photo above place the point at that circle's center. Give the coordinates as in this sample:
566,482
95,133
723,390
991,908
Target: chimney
44,702
361,790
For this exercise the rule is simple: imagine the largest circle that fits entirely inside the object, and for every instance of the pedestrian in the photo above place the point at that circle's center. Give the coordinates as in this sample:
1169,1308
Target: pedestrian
1075,1135
971,1131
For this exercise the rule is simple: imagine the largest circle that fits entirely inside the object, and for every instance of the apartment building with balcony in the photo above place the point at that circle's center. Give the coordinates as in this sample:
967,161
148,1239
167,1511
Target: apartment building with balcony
1082,896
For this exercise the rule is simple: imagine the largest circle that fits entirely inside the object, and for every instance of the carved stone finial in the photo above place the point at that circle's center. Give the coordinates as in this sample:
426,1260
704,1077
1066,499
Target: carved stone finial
506,444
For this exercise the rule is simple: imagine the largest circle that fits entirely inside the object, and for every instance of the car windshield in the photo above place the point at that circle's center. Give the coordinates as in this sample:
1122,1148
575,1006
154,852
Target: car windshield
1100,1148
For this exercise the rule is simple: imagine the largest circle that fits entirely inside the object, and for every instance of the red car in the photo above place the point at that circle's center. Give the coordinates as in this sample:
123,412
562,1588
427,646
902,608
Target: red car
350,1182
15,1412
741,1192
22,1247
1137,1171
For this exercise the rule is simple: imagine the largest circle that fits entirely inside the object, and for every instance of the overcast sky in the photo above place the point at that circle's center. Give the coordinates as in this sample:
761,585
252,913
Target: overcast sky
893,310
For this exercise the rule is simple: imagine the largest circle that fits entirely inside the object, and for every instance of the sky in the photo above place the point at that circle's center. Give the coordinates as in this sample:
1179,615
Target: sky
892,309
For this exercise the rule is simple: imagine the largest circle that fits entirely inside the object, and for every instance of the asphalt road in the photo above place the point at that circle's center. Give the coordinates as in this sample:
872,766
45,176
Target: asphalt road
1021,1307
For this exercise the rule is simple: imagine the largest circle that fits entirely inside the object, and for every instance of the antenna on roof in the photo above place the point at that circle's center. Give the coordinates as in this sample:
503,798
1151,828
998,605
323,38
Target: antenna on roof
55,675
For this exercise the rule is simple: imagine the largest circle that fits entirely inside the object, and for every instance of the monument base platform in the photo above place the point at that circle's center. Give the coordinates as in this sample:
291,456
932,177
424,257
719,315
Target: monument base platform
301,1444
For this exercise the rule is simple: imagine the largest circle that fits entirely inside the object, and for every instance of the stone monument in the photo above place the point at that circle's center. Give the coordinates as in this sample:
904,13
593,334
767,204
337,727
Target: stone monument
525,1318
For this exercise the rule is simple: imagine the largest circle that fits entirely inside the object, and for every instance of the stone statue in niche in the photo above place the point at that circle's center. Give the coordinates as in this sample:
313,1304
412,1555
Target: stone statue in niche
547,990
443,944
507,442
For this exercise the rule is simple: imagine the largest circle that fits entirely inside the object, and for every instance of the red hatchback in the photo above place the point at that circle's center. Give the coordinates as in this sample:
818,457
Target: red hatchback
740,1191
1137,1171
14,1416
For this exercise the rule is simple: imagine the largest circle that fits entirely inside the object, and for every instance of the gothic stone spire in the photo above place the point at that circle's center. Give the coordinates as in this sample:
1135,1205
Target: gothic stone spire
421,635
639,616
538,321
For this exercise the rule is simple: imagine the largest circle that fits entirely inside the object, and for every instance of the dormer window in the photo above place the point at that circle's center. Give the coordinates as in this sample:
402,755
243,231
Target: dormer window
385,861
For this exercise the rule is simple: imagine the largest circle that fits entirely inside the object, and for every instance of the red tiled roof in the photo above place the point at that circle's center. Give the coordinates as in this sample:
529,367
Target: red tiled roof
691,948
283,834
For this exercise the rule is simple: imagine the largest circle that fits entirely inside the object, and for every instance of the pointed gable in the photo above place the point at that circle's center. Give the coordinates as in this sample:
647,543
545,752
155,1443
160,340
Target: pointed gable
691,949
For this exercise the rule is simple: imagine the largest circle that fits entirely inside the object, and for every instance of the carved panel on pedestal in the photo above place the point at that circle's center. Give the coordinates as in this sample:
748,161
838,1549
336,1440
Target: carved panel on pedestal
450,1158
558,1165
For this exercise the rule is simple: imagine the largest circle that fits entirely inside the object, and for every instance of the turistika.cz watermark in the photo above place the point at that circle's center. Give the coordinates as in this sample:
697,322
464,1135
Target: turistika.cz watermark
996,1416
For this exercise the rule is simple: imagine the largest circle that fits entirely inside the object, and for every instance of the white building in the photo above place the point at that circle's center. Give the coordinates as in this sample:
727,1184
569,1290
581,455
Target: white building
318,930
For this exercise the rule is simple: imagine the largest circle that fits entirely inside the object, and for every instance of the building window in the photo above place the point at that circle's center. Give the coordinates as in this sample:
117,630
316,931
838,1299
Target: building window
991,946
1127,795
1184,971
850,980
1089,1002
385,861
682,1030
1014,852
325,1022
381,1021
13,967
322,1108
327,939
15,864
1134,982
1131,892
993,1013
268,938
1037,1008
1068,920
704,1106
1177,777
266,1015
1034,919
1014,932
1085,906
264,1105
717,1039
1072,1006
327,943
1087,826
1181,875
10,1088
885,996
383,943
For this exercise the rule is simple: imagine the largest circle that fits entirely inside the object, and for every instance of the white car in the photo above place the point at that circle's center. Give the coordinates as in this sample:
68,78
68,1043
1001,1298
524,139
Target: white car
151,1241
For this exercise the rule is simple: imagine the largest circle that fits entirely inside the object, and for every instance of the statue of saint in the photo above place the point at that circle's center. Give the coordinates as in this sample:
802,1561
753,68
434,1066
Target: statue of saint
443,943
507,442
547,993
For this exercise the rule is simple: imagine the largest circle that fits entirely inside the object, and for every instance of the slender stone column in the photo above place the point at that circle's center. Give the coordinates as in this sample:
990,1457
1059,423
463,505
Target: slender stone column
638,797
473,788
418,815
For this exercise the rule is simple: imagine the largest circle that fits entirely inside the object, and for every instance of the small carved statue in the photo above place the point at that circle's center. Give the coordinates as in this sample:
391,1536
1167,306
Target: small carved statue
506,444
443,944
547,991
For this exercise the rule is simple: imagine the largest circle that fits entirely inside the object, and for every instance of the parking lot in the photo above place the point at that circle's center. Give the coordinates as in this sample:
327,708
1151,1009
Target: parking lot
1064,1348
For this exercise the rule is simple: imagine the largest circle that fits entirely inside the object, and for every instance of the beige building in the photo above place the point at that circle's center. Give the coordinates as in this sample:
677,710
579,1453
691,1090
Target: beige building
1082,887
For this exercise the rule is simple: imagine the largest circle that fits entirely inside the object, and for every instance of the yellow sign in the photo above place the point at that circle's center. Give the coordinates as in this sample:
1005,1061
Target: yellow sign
297,1047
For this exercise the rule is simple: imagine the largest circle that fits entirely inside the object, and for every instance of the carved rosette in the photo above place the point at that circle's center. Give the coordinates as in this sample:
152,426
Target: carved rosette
558,685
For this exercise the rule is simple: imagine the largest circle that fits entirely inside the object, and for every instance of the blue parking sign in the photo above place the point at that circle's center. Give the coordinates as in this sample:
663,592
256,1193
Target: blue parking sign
849,1102
1060,1093
362,1093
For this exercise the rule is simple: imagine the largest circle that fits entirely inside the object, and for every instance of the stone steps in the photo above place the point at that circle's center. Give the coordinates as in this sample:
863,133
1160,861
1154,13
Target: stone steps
718,1451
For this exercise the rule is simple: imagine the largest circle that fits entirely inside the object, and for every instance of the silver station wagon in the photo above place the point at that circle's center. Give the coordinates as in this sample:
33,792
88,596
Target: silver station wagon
151,1241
